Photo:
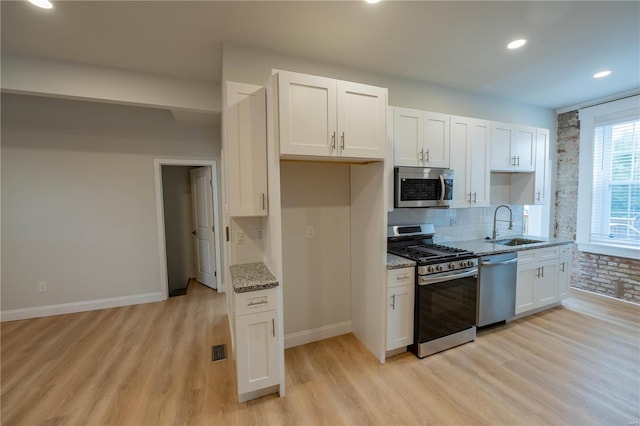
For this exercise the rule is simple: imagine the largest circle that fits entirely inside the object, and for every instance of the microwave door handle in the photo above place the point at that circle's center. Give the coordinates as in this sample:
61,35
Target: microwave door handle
442,188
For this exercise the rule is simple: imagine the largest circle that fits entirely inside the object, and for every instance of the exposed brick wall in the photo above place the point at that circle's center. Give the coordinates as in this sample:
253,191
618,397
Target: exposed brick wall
614,276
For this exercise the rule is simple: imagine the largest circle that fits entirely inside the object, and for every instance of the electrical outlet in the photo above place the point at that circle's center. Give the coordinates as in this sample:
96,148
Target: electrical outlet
310,231
239,237
259,234
42,287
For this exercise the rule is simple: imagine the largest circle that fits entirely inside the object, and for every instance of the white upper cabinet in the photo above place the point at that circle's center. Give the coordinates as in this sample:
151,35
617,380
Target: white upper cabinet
436,140
324,117
362,120
421,138
245,150
542,175
512,148
471,144
408,136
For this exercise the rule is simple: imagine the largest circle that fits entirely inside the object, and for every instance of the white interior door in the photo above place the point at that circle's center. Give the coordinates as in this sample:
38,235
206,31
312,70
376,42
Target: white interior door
202,196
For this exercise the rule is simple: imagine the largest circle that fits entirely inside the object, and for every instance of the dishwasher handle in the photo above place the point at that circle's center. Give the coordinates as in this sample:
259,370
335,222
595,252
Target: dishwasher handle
499,263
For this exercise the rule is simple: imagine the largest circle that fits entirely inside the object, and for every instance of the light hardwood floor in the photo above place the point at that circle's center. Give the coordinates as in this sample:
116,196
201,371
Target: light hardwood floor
151,364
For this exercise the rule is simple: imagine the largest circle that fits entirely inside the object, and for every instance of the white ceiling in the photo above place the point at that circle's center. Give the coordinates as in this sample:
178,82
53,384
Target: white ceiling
457,44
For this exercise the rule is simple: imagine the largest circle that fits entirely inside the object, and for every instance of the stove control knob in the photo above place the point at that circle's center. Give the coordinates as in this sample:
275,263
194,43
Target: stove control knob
452,265
439,268
463,264
430,269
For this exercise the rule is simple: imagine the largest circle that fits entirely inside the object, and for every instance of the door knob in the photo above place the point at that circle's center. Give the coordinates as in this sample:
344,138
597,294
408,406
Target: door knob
193,232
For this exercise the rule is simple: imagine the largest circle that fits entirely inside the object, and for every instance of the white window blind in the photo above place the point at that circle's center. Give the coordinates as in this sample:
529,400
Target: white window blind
615,210
609,179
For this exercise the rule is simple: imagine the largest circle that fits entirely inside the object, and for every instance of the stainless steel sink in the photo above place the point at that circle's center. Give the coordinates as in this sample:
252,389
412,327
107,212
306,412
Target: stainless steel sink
516,241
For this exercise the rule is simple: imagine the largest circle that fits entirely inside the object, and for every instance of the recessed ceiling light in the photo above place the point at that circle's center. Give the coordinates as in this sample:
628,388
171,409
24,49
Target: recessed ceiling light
517,43
44,4
602,74
372,1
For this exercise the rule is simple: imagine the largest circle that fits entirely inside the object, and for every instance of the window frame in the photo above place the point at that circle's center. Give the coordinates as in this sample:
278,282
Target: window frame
590,118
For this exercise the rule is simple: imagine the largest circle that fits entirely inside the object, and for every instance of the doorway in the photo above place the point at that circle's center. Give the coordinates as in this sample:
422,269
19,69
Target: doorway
188,219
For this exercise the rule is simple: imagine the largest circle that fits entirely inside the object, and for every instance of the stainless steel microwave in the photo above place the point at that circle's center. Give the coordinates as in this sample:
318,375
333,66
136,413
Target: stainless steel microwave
422,187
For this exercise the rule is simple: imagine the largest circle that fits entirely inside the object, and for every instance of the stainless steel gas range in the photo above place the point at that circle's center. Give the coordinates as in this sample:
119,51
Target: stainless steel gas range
446,287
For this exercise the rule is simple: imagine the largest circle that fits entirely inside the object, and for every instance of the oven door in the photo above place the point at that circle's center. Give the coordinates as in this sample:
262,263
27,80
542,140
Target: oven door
422,187
445,304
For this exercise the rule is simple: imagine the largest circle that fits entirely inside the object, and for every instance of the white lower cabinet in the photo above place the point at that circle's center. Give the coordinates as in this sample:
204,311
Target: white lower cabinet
543,277
400,302
564,271
257,363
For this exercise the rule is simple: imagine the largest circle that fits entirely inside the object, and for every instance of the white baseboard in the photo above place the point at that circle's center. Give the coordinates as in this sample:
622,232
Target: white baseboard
315,334
71,308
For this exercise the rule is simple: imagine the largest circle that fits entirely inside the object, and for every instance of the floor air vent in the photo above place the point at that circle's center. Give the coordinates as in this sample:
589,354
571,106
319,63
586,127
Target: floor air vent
218,352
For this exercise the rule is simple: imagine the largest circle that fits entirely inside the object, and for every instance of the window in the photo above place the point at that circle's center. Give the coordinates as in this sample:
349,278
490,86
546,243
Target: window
609,179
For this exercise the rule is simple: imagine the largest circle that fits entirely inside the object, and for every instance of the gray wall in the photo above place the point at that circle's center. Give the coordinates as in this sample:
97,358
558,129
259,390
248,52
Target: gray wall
178,224
78,197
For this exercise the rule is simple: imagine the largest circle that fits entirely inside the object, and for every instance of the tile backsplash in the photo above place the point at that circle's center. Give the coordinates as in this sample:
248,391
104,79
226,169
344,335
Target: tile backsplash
461,224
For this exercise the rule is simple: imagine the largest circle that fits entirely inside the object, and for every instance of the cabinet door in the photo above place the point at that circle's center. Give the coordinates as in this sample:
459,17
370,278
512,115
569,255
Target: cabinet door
460,162
547,283
307,115
564,277
541,183
525,288
436,140
362,120
479,162
501,136
246,150
400,316
257,351
407,137
523,148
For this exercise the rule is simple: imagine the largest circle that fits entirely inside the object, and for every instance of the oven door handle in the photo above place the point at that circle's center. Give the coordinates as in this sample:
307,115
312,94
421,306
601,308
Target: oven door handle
447,276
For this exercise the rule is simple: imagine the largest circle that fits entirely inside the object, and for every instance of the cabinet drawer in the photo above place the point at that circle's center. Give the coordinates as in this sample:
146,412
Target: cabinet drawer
537,255
565,250
403,276
256,301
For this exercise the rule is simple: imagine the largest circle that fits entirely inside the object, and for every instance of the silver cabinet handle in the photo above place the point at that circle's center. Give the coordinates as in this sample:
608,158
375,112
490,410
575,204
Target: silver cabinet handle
263,201
393,302
538,272
262,302
427,154
562,266
333,141
421,158
513,161
475,198
469,198
543,272
273,326
342,141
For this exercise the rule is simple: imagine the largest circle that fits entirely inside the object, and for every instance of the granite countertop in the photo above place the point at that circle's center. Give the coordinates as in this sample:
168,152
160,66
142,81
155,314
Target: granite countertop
397,262
486,247
251,277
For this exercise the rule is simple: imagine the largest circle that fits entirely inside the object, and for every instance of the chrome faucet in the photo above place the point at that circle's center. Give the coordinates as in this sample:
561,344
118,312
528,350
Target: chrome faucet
495,231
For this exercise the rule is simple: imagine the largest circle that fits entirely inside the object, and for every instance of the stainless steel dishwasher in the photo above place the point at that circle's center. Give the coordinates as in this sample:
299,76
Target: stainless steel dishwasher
496,301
